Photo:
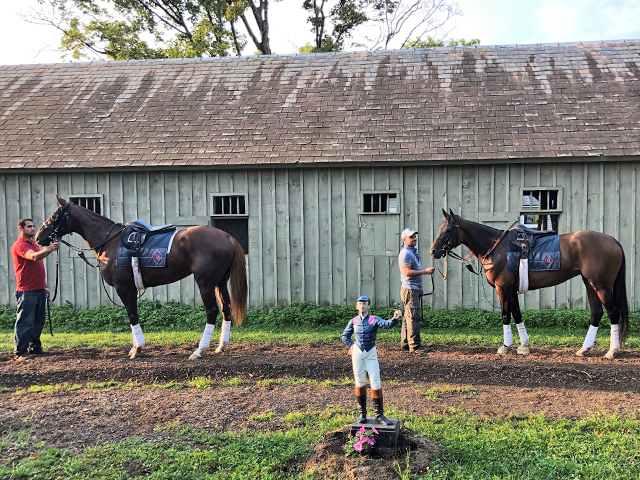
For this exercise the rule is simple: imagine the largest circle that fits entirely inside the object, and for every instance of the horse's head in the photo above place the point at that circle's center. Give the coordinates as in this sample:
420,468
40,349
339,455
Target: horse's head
56,226
448,235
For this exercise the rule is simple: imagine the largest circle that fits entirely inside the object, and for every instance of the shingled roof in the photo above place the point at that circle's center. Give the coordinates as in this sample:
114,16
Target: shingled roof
445,105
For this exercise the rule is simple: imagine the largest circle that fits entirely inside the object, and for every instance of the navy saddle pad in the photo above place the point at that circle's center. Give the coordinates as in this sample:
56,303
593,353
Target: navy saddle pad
545,254
153,252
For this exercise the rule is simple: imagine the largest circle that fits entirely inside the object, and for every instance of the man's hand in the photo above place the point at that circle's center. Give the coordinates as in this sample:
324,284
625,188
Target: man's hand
48,292
54,246
397,314
429,271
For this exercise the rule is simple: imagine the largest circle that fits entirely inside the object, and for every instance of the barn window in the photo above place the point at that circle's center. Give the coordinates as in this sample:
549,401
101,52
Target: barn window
380,202
90,202
541,208
230,214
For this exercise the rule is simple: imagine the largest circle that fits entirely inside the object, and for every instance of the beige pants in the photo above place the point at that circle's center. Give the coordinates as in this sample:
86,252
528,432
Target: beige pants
410,333
363,363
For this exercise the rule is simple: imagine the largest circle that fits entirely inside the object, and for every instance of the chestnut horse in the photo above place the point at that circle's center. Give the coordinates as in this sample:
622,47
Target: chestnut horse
596,256
211,255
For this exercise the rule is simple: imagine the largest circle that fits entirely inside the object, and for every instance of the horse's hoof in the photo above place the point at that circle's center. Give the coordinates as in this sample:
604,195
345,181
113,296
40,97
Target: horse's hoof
195,356
134,352
581,352
610,354
503,350
220,349
523,350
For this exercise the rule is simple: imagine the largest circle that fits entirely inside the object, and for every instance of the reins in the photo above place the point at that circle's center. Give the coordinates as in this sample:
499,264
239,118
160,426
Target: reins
54,238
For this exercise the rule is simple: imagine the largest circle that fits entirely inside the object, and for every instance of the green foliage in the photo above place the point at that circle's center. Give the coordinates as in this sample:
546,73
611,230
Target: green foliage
530,447
431,42
174,316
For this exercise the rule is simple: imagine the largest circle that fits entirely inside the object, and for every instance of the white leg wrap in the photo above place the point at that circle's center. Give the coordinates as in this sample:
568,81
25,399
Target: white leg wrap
590,339
523,276
224,335
615,338
138,337
508,337
205,341
524,336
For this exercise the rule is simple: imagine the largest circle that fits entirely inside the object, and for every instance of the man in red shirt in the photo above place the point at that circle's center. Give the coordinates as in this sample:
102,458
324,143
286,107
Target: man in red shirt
31,290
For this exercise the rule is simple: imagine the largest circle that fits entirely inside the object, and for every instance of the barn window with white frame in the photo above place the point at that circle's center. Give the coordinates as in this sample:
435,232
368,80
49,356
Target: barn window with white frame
541,208
380,202
230,213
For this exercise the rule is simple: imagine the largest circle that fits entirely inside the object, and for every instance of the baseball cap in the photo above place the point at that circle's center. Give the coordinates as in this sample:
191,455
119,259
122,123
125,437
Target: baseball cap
363,298
407,232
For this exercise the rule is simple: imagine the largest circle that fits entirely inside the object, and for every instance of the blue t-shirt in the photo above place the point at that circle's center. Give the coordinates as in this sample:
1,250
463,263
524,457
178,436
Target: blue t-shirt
410,256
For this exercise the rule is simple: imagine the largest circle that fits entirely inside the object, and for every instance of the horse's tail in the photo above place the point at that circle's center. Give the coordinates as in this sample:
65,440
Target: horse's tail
238,280
620,299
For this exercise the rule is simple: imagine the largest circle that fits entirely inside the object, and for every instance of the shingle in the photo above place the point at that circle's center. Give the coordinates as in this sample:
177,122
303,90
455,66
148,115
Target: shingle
445,104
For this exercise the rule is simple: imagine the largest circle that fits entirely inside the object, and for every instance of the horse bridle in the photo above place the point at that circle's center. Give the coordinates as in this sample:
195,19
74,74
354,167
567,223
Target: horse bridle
59,226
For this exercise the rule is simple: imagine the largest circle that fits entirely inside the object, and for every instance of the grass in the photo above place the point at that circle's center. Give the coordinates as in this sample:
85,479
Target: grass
523,448
532,447
484,337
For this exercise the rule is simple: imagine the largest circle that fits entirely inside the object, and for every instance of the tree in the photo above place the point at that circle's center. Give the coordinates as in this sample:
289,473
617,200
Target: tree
405,19
140,29
430,42
344,16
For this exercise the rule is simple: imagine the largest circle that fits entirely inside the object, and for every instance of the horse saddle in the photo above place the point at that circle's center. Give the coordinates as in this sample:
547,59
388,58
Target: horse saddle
542,247
149,244
135,234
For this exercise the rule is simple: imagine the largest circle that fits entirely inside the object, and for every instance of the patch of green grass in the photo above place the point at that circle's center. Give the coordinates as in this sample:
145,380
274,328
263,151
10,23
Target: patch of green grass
3,390
65,387
532,447
437,393
234,382
104,385
263,417
201,382
173,385
289,380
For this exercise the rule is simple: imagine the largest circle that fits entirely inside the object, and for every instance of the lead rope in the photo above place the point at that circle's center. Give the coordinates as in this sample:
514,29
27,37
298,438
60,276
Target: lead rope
55,293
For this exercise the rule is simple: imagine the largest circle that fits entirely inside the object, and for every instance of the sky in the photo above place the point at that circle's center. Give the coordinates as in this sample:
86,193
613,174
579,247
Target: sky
494,22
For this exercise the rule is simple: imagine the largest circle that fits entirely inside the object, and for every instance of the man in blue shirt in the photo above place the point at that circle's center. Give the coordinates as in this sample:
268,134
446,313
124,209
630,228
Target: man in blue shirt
411,272
364,356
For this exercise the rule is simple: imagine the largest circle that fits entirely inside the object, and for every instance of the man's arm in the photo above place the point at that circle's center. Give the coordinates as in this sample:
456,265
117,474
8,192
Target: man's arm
406,270
35,256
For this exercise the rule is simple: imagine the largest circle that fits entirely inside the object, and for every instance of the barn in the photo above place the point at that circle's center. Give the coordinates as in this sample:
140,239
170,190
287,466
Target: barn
317,162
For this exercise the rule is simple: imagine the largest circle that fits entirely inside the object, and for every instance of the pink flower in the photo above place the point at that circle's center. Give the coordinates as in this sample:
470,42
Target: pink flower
361,431
374,430
358,446
369,440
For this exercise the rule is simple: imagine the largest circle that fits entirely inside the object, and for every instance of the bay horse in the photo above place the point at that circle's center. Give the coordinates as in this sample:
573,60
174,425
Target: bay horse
595,256
211,255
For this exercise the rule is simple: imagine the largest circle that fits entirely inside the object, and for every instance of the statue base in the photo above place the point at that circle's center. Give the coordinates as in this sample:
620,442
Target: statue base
387,434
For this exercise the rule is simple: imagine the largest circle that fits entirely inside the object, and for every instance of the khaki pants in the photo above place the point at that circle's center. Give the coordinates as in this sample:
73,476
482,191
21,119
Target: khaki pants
410,333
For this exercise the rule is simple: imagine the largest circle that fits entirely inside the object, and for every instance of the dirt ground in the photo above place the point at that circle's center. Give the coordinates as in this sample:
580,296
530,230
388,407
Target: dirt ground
553,382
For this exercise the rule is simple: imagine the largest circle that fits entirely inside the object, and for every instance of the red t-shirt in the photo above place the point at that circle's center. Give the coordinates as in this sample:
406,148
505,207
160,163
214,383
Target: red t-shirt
29,274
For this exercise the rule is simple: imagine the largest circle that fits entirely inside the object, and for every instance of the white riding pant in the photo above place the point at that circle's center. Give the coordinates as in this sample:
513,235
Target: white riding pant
363,363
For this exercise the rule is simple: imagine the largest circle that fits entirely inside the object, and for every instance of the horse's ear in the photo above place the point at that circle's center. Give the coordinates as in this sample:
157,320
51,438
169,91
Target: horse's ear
444,212
61,201
451,213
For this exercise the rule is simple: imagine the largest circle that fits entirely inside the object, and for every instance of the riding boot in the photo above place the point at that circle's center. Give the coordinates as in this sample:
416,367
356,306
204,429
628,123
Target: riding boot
376,397
361,395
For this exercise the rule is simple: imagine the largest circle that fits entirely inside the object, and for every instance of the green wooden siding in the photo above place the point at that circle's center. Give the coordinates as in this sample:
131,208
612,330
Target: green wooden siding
309,241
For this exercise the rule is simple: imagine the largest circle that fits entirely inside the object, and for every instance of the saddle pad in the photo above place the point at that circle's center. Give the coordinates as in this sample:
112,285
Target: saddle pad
545,255
153,252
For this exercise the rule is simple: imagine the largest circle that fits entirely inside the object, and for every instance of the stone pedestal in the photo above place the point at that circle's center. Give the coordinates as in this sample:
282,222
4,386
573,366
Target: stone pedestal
387,434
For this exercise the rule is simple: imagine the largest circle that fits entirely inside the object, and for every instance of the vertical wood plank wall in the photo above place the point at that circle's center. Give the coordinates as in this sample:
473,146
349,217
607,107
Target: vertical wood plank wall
308,240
